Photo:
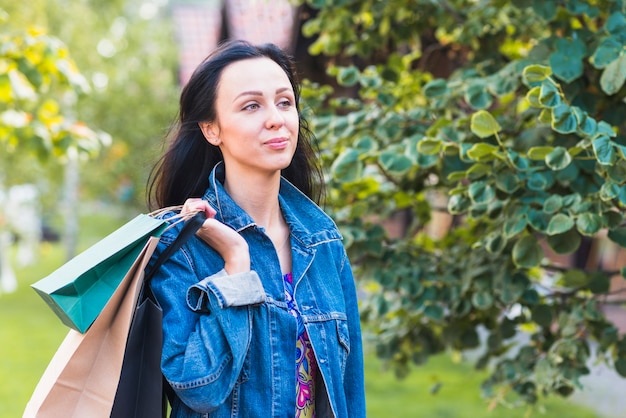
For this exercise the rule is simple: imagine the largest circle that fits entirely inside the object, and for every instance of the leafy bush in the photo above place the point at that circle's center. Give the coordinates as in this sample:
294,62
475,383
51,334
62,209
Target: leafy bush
495,131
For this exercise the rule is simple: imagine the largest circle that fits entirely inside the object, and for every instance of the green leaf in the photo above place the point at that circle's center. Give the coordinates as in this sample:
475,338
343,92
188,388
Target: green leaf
614,75
477,96
559,224
514,226
545,116
545,9
513,288
606,129
527,253
618,236
542,315
483,124
589,223
533,97
566,66
456,176
434,312
609,191
348,76
604,150
553,204
508,182
586,124
537,182
549,95
481,192
366,144
517,160
479,151
600,284
436,88
607,52
458,204
558,159
620,366
539,153
574,278
478,170
347,167
395,163
482,299
429,146
612,219
616,23
565,243
536,73
563,119
495,243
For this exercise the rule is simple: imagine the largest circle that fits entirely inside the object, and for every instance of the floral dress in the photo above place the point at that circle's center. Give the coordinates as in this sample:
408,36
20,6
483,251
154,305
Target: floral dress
306,366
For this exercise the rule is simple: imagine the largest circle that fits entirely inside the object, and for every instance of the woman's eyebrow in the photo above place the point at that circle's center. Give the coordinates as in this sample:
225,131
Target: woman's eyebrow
260,93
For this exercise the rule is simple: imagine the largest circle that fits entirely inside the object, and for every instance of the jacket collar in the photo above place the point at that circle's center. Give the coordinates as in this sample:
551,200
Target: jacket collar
308,223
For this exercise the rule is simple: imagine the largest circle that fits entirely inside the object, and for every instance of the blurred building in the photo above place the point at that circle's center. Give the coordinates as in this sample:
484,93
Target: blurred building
201,24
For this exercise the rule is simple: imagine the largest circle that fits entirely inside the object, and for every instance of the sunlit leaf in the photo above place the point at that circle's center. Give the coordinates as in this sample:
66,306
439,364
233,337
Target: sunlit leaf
558,159
347,167
484,125
563,119
614,75
607,52
549,95
536,73
559,224
604,150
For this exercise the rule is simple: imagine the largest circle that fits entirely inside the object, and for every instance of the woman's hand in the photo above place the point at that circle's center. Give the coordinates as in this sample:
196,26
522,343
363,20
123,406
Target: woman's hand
222,238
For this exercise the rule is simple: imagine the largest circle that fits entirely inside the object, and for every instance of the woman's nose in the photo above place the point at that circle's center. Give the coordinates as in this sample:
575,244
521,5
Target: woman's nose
275,118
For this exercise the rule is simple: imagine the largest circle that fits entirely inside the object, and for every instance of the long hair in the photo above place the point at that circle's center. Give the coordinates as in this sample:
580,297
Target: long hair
183,170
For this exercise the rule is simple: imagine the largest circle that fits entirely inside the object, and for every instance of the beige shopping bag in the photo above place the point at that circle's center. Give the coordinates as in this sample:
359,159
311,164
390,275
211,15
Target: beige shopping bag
82,378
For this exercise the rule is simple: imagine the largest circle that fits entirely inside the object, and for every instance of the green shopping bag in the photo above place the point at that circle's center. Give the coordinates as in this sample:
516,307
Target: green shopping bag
78,290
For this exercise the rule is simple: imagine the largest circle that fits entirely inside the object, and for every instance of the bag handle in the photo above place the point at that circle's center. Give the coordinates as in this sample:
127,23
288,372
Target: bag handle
189,229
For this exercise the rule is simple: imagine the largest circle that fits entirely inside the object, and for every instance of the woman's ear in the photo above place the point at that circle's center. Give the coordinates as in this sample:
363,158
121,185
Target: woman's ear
210,132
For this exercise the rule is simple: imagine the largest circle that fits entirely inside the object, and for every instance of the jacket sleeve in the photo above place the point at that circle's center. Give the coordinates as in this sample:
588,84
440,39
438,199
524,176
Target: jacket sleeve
354,385
206,329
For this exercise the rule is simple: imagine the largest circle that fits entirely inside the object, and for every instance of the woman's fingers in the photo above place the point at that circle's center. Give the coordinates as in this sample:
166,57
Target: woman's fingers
228,243
193,205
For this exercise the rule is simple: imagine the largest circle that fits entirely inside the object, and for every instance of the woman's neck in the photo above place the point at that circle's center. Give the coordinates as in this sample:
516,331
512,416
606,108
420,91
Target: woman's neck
258,196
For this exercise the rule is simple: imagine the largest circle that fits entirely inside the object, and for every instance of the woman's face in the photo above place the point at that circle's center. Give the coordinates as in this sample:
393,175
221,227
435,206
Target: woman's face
257,120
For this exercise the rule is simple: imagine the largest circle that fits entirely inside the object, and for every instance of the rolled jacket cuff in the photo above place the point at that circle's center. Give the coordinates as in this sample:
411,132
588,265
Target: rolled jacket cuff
239,289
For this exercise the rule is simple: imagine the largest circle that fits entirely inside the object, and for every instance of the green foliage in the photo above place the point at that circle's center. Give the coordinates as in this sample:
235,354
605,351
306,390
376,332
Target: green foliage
128,61
504,119
39,86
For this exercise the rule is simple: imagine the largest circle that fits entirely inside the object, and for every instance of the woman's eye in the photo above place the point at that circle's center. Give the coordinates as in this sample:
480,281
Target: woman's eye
285,103
251,106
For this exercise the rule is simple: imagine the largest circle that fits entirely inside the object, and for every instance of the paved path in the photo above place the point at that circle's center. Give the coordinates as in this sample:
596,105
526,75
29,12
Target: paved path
604,390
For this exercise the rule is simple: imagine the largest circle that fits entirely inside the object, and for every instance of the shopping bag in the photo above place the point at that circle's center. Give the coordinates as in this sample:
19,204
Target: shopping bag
78,290
82,378
142,390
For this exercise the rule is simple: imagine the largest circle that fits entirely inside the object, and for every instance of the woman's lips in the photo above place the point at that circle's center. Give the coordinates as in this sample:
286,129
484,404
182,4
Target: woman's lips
277,143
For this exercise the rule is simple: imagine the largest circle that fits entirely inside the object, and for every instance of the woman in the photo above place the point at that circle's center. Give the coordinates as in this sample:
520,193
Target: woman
260,312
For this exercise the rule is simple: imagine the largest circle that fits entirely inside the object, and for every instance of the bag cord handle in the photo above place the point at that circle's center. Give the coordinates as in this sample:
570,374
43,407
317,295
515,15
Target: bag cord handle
189,229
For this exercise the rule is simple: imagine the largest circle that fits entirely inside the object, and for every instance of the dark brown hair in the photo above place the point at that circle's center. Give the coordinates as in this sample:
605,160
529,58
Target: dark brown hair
183,170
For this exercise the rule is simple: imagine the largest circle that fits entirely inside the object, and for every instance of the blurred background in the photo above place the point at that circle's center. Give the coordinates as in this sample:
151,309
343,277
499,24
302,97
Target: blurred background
73,168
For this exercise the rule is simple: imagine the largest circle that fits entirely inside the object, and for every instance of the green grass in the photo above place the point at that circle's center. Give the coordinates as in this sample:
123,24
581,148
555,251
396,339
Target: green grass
30,334
458,395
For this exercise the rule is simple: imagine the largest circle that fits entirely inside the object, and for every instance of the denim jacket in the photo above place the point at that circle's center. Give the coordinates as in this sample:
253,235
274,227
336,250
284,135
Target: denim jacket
230,341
